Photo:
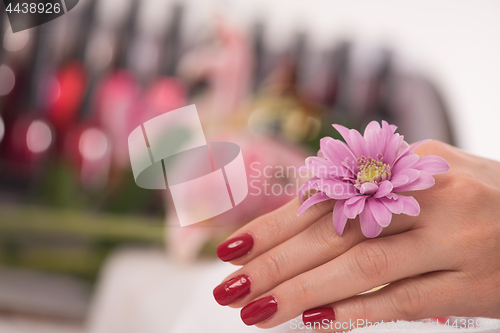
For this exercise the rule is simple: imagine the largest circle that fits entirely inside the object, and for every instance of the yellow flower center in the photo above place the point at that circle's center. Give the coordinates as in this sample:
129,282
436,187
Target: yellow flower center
372,171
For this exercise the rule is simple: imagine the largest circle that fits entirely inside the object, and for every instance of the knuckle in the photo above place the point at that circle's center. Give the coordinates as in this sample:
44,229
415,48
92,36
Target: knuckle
325,234
482,239
464,184
317,210
273,224
433,147
480,285
328,241
364,309
302,289
408,302
273,265
459,186
468,195
371,261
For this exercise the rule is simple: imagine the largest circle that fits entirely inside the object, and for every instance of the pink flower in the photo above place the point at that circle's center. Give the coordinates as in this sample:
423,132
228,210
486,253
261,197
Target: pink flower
366,175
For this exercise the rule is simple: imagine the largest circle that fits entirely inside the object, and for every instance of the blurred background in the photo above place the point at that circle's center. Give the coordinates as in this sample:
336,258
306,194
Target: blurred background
79,241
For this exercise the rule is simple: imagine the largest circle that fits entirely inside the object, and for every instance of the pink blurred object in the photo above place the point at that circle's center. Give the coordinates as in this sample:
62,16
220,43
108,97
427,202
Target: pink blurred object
227,66
122,106
88,148
117,95
165,94
30,142
270,167
66,95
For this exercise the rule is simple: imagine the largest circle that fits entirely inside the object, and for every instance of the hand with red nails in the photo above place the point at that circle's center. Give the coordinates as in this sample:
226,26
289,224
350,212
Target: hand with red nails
293,265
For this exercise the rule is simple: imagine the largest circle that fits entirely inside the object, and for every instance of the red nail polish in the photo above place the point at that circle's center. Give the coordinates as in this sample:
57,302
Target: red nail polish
317,315
232,289
235,248
259,310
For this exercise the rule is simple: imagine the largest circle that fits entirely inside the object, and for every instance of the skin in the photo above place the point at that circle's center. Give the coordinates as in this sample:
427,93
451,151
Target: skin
451,250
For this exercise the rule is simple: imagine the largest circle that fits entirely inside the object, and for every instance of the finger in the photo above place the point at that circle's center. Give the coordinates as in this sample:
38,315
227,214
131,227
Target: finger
369,264
431,295
311,248
269,230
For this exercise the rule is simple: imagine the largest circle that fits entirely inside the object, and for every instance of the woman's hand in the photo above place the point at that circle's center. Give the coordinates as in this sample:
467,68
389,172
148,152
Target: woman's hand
452,251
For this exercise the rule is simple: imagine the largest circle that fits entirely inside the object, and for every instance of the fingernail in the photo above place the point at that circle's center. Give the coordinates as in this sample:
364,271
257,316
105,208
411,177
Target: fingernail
259,310
232,289
235,248
317,315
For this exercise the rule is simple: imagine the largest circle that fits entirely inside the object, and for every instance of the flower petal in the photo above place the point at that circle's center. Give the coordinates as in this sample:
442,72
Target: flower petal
344,132
424,181
368,188
353,138
337,153
391,148
380,212
399,180
322,144
318,197
324,140
369,226
305,187
354,206
394,205
320,167
411,174
403,147
385,134
408,150
383,189
406,162
357,143
410,205
390,128
372,126
392,196
337,189
432,164
352,169
373,143
339,217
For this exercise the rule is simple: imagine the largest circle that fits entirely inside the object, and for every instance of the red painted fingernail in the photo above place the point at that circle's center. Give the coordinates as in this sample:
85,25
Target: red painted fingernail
231,290
317,315
259,310
235,248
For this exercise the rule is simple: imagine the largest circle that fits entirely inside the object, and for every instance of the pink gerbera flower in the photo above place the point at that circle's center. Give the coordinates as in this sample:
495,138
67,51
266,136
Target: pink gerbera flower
366,175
